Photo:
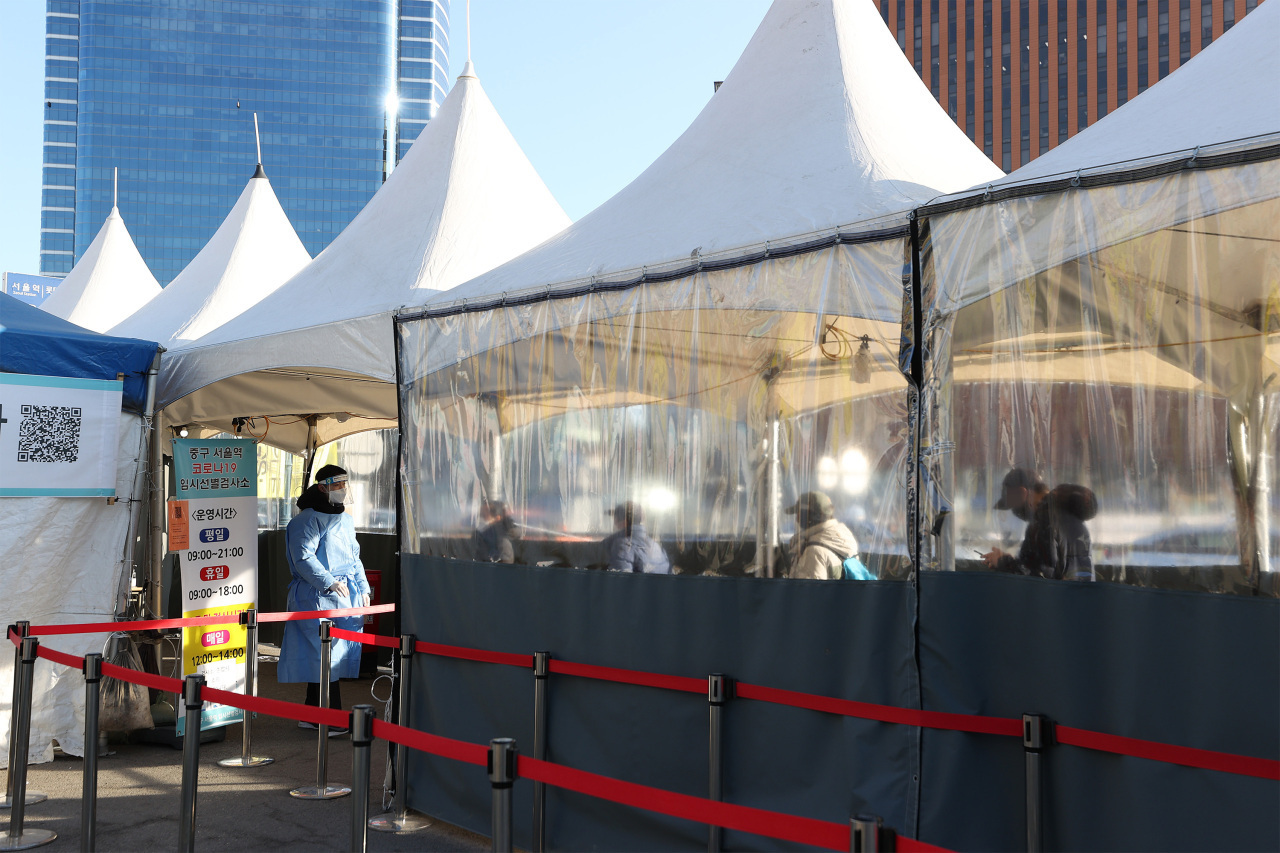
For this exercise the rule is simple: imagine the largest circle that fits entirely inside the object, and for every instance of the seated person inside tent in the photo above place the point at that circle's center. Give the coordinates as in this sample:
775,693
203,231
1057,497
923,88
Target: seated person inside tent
823,544
630,548
1056,544
493,537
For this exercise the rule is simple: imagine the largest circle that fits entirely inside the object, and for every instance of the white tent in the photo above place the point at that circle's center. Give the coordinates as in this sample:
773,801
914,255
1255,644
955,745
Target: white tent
252,253
822,123
750,278
110,282
1116,301
464,199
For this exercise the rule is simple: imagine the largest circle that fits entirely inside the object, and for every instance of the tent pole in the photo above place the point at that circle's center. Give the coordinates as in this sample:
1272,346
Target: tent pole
155,463
311,451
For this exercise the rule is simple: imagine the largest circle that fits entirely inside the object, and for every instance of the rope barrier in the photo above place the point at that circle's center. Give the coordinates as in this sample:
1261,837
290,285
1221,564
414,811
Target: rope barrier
194,621
1204,759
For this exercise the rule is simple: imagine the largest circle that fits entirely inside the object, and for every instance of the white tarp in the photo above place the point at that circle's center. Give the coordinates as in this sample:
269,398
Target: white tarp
464,199
253,252
64,560
822,123
109,283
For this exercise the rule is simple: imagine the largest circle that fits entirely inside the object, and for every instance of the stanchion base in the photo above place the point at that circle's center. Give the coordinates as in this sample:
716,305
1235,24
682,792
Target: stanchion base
241,761
315,792
410,821
33,797
27,839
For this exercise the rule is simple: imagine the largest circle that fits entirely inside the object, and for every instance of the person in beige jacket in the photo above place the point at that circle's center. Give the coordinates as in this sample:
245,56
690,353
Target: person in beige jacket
819,550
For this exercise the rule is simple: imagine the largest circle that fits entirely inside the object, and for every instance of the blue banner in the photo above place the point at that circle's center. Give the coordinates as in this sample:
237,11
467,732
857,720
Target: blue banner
31,289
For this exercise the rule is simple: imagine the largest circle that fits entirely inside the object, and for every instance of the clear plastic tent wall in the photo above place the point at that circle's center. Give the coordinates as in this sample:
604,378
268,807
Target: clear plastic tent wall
1123,336
712,399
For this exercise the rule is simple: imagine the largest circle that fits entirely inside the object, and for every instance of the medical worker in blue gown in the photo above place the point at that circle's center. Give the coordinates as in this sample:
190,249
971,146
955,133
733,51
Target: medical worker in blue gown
324,560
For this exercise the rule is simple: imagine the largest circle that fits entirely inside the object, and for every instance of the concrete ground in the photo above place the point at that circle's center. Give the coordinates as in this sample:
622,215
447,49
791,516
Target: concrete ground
237,809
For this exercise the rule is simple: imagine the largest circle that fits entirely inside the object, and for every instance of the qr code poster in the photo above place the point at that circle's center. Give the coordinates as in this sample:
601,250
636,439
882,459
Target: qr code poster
58,436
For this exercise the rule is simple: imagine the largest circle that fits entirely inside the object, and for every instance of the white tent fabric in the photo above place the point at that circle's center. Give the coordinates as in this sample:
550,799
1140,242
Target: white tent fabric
252,253
464,199
110,282
821,123
66,567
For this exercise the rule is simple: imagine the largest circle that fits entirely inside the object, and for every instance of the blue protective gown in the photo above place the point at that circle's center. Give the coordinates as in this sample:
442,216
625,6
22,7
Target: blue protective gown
322,550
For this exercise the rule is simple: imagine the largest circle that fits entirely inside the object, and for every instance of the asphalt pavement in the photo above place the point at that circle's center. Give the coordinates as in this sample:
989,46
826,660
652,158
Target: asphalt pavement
237,809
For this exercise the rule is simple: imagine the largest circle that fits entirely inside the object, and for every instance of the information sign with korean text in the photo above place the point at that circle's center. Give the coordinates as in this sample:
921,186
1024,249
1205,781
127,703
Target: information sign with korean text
213,528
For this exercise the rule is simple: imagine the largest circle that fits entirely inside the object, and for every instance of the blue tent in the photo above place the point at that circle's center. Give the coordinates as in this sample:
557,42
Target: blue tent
34,342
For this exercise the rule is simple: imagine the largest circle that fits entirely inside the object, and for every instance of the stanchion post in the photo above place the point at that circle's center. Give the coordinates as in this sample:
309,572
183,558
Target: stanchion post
361,744
868,834
23,629
400,819
541,671
89,789
719,691
19,838
193,700
502,776
1037,734
248,621
322,789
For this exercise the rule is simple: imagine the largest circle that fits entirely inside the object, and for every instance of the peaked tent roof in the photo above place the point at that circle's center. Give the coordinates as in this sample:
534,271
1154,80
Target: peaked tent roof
253,252
110,282
464,199
37,343
821,123
1224,94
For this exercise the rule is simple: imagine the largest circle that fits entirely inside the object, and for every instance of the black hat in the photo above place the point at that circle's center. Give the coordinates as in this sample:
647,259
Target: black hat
330,471
813,506
628,511
1019,478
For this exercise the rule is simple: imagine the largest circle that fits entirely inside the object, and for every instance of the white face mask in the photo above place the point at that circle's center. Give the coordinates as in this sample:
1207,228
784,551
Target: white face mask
337,496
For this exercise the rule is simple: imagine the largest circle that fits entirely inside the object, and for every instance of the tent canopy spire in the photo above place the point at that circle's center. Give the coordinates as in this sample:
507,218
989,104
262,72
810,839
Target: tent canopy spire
257,139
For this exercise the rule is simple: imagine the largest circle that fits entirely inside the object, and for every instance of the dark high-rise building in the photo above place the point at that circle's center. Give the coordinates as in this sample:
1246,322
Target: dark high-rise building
1021,76
166,92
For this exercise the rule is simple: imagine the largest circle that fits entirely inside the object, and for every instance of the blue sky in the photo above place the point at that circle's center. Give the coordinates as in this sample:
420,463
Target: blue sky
593,90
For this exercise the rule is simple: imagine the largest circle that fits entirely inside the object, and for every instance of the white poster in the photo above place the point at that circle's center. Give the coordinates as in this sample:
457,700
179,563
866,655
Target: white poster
58,436
213,528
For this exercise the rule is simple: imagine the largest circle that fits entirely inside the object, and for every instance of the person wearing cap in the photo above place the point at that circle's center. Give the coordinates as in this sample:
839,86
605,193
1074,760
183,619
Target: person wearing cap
493,538
630,548
819,550
324,561
1056,544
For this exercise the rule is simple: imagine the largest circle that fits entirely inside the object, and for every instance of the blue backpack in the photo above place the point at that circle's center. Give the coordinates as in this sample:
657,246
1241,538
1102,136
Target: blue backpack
854,570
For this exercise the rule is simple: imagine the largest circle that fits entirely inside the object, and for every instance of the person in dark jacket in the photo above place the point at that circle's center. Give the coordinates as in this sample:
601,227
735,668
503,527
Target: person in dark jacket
1056,544
493,539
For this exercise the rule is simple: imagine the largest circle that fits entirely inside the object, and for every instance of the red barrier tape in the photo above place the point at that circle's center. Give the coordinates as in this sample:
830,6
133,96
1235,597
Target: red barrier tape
458,750
146,679
798,830
278,708
884,713
505,658
60,657
304,615
1187,756
228,619
367,639
679,683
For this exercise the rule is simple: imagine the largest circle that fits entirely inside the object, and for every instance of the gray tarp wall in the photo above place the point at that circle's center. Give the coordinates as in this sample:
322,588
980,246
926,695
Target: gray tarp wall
1181,668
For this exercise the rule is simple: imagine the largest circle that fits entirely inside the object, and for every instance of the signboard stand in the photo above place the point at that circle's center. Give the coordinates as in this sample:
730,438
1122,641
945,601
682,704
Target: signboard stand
213,528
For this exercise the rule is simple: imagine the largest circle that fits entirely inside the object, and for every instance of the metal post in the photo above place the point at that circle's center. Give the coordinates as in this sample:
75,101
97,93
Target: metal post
18,838
1037,733
24,630
192,688
89,790
718,693
541,670
322,790
157,483
361,744
868,834
249,621
400,818
502,775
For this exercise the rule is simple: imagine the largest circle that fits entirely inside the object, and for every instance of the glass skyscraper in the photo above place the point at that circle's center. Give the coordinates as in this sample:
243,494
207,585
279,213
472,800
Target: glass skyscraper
165,90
